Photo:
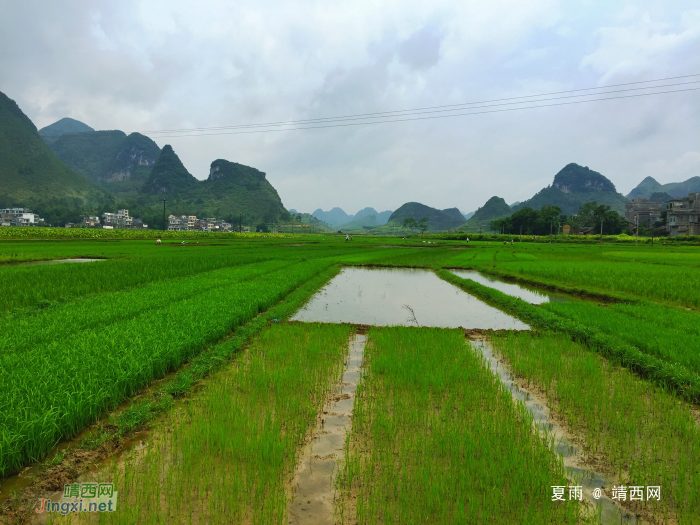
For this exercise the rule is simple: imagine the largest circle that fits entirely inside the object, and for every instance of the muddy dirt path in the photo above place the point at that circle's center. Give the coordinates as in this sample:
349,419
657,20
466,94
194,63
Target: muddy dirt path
578,472
313,486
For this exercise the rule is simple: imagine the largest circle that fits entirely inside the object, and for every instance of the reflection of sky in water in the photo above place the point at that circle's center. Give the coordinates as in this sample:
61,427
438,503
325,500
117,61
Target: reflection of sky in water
515,290
377,297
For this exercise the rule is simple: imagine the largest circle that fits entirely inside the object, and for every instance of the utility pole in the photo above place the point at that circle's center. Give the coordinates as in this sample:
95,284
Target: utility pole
164,201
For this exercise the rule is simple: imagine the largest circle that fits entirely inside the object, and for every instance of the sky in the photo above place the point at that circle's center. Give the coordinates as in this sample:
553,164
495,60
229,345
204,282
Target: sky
157,65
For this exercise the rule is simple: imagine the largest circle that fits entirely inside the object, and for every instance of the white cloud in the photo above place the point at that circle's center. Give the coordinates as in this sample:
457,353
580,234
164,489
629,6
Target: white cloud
161,64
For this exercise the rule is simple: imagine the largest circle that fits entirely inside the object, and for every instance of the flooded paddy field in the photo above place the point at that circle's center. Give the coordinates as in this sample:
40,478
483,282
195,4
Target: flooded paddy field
526,293
372,406
400,296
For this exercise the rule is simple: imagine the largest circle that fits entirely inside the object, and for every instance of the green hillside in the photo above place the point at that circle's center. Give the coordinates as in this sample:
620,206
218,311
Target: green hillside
52,132
573,186
366,222
494,208
30,173
169,176
231,191
437,219
112,160
677,190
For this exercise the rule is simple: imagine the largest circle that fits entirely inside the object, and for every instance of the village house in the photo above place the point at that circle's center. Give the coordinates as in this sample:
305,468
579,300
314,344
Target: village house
121,219
644,211
683,216
19,217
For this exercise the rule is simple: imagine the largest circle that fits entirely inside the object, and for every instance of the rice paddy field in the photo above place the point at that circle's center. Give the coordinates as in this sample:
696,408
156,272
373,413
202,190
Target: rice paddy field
176,373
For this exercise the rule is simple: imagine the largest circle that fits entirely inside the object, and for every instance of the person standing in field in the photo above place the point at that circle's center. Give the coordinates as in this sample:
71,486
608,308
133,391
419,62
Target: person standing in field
347,237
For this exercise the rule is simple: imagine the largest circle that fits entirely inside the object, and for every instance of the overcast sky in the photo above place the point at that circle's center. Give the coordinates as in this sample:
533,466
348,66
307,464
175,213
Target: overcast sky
153,65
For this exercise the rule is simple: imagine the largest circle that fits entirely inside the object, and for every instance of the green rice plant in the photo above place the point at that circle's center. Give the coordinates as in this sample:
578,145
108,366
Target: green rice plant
21,332
670,375
671,334
673,284
59,386
437,438
644,434
228,455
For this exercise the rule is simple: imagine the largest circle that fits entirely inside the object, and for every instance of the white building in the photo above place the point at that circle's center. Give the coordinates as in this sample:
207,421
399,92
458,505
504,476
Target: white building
19,217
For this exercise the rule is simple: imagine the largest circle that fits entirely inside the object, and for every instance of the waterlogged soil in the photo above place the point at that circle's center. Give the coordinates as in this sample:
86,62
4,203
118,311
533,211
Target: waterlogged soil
582,470
529,294
407,297
57,261
313,487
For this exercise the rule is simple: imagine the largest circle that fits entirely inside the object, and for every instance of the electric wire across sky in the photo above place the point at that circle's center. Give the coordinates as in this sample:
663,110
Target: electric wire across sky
500,105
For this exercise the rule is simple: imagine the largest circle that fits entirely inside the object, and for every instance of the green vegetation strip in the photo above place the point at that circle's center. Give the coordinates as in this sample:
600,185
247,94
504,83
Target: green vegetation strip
671,334
436,438
182,382
60,386
645,434
233,449
670,375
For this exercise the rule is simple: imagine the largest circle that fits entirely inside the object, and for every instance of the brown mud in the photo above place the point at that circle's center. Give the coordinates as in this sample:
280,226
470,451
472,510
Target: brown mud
312,490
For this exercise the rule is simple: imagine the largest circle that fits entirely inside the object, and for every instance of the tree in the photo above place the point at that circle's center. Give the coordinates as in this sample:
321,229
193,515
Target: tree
410,223
423,224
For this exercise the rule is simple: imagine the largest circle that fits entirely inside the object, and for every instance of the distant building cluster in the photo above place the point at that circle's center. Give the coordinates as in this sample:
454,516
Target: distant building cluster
682,215
180,223
19,217
110,221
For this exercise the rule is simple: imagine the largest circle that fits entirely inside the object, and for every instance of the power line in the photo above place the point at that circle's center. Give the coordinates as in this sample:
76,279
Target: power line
345,119
332,125
455,106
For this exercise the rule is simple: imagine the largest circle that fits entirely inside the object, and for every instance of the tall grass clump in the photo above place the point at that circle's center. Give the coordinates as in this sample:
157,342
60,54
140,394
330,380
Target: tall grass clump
436,438
644,434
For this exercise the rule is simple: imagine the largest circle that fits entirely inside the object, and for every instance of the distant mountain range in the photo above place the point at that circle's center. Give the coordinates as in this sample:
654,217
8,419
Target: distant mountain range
338,218
71,166
676,190
437,219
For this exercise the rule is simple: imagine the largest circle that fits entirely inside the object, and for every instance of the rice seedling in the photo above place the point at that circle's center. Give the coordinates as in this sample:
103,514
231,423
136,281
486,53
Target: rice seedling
668,374
436,438
233,448
671,334
59,386
644,434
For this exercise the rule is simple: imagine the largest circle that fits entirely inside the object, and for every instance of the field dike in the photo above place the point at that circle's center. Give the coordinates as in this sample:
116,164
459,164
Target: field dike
561,440
127,429
312,490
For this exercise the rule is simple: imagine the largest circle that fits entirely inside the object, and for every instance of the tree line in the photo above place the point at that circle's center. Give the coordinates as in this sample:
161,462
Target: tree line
550,219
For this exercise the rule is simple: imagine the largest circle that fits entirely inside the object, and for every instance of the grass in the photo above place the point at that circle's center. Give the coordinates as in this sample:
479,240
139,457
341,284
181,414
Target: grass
233,449
645,434
436,438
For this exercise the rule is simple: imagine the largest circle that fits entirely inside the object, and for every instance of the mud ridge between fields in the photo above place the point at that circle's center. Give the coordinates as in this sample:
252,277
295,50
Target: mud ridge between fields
583,458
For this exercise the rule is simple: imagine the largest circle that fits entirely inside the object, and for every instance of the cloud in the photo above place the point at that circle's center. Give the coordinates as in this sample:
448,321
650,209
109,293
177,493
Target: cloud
140,65
645,45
